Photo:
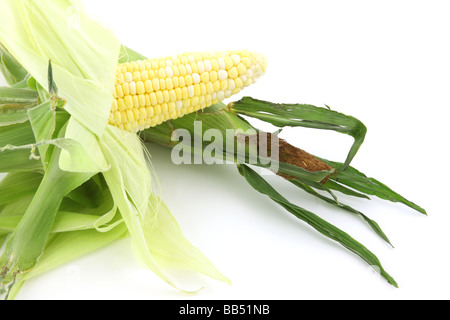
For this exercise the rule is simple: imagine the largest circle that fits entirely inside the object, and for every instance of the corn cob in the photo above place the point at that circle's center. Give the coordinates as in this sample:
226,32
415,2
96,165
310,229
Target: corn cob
150,92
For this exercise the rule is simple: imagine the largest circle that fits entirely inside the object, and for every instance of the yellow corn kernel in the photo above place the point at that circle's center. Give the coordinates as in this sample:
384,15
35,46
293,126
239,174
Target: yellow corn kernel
233,73
195,101
135,101
119,91
181,82
239,83
185,92
158,110
216,85
128,100
169,84
213,76
176,71
144,75
215,65
228,63
115,106
165,108
147,100
194,67
141,98
166,96
132,88
162,84
125,88
148,86
161,73
153,99
173,115
140,87
224,85
203,89
241,69
159,97
156,84
197,90
210,87
188,79
150,112
136,76
205,77
172,95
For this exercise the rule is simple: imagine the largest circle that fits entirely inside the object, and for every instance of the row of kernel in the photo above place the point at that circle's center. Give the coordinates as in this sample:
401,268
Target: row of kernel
196,82
194,61
135,102
221,89
199,71
154,89
144,117
142,83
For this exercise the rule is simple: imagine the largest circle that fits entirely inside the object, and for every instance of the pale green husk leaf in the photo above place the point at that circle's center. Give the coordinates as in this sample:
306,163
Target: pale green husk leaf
83,53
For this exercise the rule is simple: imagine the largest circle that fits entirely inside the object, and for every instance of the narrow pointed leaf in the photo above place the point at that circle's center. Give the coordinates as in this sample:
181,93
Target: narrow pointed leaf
304,115
374,225
359,181
334,185
325,228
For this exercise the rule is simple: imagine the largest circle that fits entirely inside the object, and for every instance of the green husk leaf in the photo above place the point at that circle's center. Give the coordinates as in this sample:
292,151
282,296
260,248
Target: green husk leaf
129,181
18,148
87,155
43,122
16,159
14,105
18,185
100,214
89,195
217,117
374,225
64,222
22,151
170,248
303,115
357,180
19,159
18,207
67,246
17,134
128,55
29,238
73,221
12,70
83,54
325,228
334,185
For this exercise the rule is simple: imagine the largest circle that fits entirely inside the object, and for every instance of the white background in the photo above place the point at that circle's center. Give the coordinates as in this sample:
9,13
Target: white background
384,62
